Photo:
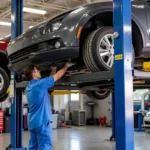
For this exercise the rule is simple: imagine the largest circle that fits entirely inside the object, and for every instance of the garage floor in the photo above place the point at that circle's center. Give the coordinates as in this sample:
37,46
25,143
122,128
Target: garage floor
83,138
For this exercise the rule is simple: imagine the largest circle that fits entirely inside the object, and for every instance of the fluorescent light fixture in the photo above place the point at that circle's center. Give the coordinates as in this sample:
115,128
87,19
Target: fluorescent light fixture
30,27
35,11
2,23
7,36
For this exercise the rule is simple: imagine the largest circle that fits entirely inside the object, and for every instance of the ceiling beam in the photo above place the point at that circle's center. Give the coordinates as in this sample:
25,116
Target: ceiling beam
5,12
89,1
68,3
46,5
48,17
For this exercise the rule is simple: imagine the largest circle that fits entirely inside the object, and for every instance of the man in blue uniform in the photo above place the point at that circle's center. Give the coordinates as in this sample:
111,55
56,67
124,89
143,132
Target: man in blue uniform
40,114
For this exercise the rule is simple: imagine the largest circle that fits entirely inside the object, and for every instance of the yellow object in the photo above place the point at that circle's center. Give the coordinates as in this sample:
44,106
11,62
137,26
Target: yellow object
12,76
8,91
139,82
64,92
146,66
118,57
79,32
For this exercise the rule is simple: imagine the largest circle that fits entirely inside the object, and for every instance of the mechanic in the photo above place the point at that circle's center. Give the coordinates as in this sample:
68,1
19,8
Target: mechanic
40,113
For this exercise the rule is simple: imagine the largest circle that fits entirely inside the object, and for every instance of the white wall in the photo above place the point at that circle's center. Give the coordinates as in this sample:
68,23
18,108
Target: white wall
61,102
7,103
102,108
81,104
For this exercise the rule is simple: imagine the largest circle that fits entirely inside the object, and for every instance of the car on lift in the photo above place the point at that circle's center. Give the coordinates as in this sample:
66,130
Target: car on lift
4,71
84,36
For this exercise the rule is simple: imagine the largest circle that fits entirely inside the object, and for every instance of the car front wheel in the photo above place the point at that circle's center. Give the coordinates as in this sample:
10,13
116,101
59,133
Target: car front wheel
98,50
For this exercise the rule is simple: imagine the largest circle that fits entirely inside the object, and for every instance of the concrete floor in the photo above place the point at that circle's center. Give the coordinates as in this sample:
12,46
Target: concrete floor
82,138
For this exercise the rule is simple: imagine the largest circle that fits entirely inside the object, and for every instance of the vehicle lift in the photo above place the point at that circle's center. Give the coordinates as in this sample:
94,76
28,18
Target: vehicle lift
123,73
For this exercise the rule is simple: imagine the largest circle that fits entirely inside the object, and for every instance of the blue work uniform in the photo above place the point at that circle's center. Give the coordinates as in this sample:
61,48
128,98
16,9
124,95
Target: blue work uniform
40,114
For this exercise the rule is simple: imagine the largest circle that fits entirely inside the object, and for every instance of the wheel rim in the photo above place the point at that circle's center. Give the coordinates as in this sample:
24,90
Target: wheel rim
1,81
106,50
100,92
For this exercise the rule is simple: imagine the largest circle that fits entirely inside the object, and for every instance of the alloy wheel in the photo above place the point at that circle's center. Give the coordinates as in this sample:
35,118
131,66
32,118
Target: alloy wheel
106,50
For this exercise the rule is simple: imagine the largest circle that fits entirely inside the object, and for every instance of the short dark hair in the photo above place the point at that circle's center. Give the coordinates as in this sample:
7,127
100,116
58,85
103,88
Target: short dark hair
28,72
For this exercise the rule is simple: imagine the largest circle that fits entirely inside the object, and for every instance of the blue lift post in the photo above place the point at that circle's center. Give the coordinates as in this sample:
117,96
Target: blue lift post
16,101
113,136
123,75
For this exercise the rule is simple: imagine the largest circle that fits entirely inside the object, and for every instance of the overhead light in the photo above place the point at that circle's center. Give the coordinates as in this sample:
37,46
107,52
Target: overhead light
7,36
2,23
30,27
35,11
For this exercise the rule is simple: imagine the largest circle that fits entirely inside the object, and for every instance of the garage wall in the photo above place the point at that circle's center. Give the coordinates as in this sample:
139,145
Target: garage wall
5,104
102,108
81,104
61,102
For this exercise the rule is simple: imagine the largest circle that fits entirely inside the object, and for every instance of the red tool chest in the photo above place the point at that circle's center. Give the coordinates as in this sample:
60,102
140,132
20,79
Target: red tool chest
1,120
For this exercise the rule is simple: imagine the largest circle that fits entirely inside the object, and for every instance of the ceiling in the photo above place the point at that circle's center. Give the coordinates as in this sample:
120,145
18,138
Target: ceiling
52,8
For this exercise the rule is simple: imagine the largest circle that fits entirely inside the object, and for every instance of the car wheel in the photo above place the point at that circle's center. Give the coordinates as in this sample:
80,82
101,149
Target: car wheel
4,82
98,50
98,95
3,98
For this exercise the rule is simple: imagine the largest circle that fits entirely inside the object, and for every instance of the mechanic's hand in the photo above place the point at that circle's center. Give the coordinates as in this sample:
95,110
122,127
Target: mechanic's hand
69,64
54,69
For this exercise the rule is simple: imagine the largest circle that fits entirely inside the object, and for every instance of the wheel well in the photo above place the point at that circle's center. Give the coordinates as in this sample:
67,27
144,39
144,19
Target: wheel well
106,19
4,62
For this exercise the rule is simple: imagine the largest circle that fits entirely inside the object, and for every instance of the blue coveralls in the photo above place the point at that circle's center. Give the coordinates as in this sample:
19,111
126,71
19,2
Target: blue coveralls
40,114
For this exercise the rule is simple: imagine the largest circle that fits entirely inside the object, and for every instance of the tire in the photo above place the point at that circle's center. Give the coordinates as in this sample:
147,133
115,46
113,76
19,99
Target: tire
2,99
4,82
92,54
98,95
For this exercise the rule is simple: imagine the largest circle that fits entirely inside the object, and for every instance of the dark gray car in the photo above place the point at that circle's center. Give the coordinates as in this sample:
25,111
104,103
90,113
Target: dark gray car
83,35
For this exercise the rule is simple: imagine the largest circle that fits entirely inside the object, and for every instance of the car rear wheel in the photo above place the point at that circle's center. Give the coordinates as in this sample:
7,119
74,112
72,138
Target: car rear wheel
4,82
98,95
98,50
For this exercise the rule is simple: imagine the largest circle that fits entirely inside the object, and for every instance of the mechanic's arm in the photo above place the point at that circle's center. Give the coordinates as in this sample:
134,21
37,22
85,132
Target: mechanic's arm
54,70
61,72
49,81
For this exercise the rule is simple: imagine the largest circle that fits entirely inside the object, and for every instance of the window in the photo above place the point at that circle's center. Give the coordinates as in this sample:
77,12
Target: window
74,96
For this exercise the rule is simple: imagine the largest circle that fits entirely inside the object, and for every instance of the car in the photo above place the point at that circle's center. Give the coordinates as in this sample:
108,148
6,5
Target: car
4,71
84,36
146,124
